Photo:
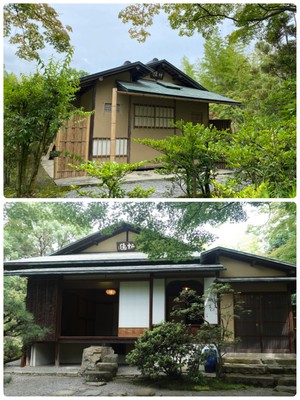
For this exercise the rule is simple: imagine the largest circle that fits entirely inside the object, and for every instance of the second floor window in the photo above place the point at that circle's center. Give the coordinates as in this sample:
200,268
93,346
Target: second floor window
153,116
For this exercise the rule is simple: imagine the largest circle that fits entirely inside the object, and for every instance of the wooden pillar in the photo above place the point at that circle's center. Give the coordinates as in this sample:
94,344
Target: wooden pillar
113,125
151,302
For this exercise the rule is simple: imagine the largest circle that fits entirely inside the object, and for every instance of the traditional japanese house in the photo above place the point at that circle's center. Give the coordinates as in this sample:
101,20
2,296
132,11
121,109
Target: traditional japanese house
132,101
101,290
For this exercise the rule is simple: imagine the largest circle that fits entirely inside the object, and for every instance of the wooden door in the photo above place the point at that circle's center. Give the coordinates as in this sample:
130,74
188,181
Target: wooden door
266,328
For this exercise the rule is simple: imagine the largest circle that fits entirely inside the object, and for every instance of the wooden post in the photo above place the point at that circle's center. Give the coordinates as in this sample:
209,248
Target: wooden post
113,125
87,137
151,302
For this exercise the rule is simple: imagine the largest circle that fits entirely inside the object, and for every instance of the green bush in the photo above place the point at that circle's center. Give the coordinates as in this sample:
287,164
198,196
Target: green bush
111,177
165,349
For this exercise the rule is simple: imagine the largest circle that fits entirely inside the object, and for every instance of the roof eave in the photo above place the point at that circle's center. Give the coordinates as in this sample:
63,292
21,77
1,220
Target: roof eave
89,79
100,270
170,96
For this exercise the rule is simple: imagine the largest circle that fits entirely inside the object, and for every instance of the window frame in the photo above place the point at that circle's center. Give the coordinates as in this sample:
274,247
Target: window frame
150,116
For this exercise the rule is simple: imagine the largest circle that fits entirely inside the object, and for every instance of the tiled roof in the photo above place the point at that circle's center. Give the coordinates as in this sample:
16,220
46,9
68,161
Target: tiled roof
162,88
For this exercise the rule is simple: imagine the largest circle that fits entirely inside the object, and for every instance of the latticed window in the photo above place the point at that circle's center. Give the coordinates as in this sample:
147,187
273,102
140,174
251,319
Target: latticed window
101,147
153,116
107,107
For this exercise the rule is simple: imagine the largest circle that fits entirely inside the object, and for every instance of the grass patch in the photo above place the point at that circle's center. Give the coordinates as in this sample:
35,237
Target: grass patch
184,384
45,187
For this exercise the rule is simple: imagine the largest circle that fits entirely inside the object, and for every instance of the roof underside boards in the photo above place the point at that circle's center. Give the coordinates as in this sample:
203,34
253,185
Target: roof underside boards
117,270
144,86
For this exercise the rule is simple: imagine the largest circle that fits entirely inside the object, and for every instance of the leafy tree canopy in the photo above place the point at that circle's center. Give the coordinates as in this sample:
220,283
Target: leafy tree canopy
278,235
32,26
176,230
263,21
36,229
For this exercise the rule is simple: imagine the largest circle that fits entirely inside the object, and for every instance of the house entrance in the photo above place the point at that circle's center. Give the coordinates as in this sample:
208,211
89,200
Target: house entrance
267,328
89,312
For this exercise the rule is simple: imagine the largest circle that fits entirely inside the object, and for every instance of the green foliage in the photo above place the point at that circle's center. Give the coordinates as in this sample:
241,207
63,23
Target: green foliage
162,350
35,107
191,156
36,229
229,69
111,176
171,348
279,235
262,148
272,22
23,23
191,306
174,230
19,327
265,154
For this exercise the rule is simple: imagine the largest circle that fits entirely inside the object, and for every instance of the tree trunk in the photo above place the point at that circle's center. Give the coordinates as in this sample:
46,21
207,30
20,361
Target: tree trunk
37,159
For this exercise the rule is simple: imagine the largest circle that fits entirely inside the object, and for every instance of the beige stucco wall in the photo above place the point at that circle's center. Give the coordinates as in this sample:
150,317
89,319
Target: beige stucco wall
86,100
235,269
102,119
110,245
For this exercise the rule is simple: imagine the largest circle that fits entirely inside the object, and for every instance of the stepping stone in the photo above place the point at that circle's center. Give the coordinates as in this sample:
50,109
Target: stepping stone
64,393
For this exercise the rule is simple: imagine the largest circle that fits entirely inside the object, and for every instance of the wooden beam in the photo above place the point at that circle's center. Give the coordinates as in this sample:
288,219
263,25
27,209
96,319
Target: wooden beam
113,125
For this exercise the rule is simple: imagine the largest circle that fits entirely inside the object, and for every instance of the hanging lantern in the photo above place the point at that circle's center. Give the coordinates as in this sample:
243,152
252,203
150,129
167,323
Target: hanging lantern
110,292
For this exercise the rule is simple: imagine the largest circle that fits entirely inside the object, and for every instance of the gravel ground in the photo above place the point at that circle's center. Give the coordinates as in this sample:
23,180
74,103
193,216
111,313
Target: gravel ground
41,385
163,189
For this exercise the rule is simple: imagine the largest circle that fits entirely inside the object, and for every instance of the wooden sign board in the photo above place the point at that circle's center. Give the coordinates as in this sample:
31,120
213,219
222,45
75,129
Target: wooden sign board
126,246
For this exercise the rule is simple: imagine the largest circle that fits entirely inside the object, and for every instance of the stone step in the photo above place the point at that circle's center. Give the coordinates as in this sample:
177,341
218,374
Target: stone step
262,380
287,380
97,376
254,380
258,369
258,358
285,389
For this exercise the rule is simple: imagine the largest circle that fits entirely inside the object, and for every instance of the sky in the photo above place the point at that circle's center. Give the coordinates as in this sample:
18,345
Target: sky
102,41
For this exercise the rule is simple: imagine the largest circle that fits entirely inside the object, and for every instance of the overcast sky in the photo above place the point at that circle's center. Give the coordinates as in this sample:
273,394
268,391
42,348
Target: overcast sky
102,41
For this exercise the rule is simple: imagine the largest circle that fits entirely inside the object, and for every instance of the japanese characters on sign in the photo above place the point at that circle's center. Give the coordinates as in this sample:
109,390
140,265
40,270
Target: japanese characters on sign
126,246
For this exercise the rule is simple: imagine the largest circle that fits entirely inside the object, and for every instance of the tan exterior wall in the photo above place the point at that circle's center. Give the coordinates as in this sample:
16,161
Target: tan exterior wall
191,111
185,110
235,269
102,119
140,152
86,100
110,245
